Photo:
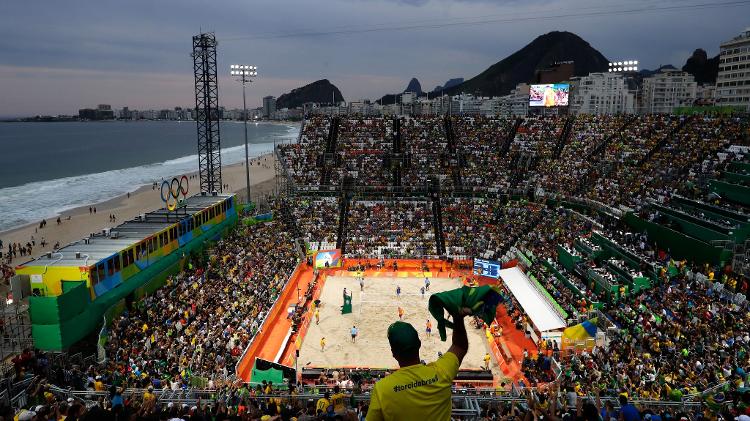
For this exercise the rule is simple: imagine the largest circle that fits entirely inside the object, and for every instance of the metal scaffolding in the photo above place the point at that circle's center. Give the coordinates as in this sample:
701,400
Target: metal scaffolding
207,112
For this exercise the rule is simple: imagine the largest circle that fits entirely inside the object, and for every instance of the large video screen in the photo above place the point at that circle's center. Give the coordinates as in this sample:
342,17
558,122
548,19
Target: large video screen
489,268
549,95
328,259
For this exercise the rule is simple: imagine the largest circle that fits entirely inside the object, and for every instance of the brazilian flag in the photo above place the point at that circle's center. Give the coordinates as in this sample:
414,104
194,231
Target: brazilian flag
481,300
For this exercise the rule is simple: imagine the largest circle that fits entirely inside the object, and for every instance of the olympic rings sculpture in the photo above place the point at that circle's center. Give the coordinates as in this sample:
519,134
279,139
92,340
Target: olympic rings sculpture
174,188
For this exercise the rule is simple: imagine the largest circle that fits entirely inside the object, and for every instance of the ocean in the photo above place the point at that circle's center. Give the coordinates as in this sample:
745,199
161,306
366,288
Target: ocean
47,168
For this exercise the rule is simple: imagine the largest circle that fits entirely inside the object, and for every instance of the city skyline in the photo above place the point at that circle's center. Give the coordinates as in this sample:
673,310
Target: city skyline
138,56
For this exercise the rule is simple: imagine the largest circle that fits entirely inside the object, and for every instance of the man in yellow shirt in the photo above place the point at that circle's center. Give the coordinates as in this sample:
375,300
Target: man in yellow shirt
487,361
99,385
417,391
337,400
322,405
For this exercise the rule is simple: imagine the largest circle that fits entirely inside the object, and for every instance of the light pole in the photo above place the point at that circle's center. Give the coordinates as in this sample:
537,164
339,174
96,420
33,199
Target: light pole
244,72
628,68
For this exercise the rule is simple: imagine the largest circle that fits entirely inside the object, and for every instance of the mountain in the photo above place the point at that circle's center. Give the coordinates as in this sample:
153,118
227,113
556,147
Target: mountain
449,84
545,50
647,73
414,86
701,67
320,91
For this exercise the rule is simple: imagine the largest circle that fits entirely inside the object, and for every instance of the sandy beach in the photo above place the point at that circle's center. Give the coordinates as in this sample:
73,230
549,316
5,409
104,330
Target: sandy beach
78,223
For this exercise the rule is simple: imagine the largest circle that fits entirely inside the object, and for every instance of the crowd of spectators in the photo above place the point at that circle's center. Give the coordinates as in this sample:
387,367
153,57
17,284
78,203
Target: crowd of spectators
390,228
485,227
685,333
202,320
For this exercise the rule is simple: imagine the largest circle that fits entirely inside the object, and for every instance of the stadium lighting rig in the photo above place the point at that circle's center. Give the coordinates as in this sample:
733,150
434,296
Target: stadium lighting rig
623,66
244,72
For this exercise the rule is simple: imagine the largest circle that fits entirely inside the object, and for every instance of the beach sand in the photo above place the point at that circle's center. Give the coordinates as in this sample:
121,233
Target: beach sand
380,310
142,199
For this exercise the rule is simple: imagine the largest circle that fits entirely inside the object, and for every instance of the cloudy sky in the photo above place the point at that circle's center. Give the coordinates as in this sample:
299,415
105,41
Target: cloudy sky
58,56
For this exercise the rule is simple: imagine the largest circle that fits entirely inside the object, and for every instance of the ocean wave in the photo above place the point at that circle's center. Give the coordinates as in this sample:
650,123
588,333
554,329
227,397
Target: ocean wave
35,201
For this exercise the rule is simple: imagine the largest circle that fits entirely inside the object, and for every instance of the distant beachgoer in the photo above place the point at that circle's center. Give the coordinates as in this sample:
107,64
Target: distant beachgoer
91,210
398,291
400,313
58,221
362,284
128,195
354,334
323,343
422,291
317,316
94,210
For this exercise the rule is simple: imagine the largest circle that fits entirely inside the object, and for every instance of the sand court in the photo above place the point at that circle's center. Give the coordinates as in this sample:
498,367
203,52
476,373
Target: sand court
373,310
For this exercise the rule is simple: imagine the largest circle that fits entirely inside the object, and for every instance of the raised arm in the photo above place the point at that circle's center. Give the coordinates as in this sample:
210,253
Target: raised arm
459,342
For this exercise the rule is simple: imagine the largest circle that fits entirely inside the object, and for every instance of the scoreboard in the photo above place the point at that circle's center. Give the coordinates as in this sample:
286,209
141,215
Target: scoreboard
489,268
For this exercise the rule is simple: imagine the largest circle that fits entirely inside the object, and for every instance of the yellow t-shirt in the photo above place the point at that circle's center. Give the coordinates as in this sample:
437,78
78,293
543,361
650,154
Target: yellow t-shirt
148,396
322,405
415,392
337,400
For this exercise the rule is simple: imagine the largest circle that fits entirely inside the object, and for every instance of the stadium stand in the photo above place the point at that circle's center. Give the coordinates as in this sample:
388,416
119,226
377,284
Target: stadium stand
636,224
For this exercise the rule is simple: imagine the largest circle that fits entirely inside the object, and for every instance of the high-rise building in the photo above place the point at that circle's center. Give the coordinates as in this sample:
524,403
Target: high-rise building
668,89
519,100
601,93
269,106
733,81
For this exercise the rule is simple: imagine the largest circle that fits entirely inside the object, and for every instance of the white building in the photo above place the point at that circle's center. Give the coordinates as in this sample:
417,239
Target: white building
666,90
519,100
733,81
601,93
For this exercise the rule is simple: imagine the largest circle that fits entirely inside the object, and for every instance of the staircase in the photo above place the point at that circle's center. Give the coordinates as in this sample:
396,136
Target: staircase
598,149
344,201
505,147
449,135
398,152
666,140
564,136
329,157
454,159
437,217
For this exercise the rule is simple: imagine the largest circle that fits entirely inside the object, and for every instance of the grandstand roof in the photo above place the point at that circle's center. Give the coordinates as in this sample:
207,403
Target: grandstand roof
540,311
108,241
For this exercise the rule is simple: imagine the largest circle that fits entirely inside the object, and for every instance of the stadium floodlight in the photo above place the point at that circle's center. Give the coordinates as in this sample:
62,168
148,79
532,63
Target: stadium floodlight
245,72
624,66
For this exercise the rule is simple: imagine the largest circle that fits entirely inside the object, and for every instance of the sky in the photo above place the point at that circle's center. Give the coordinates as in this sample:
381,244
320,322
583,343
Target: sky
59,56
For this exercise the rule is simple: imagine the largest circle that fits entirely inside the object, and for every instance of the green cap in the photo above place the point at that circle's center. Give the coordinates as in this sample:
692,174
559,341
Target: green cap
403,337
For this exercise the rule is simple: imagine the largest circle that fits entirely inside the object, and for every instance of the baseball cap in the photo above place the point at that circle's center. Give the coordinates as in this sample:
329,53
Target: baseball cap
403,337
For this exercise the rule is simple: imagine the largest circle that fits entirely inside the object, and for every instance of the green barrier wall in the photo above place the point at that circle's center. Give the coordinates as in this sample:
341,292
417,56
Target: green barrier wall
679,245
740,167
736,178
733,192
59,322
549,297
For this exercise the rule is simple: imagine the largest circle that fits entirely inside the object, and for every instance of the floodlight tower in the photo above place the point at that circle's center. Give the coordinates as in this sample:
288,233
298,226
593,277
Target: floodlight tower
626,67
244,72
207,112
